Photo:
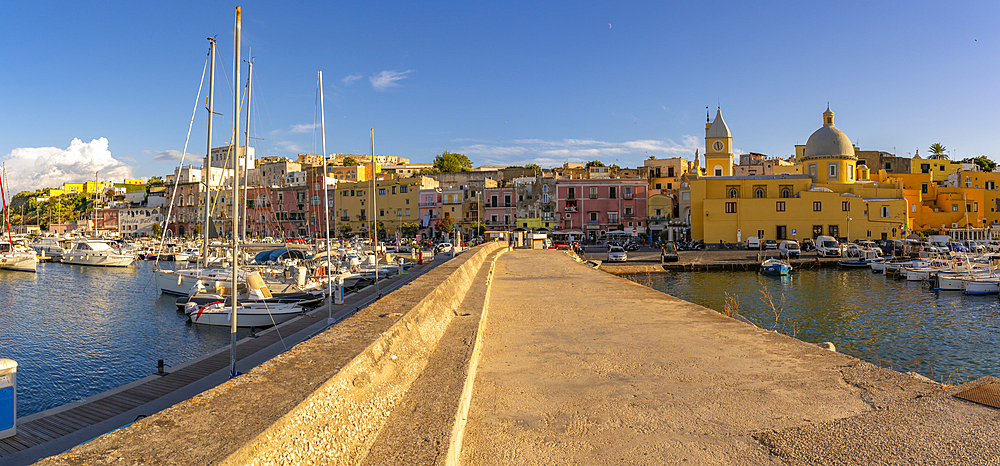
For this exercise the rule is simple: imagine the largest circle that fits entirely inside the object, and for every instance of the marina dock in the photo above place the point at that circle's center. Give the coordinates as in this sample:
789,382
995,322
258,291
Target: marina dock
56,430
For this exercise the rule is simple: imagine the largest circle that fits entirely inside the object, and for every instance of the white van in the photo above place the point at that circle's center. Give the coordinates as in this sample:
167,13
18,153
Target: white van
753,242
789,248
827,246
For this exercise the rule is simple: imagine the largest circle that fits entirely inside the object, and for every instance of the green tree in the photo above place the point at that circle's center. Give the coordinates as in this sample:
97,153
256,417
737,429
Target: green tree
984,162
534,167
594,163
446,225
449,162
478,228
345,228
938,152
350,162
156,229
409,229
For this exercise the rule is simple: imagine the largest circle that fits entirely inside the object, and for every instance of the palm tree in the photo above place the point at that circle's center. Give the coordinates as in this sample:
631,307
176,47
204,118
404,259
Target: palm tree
937,152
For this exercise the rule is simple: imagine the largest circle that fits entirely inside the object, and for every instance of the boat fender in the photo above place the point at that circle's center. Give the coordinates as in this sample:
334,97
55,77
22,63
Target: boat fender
320,271
179,279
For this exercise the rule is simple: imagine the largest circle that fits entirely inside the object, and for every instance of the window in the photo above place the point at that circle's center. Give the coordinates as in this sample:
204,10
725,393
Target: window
845,206
954,207
381,213
834,230
718,171
493,218
399,212
817,230
612,217
628,212
407,212
925,168
968,207
923,188
817,206
813,171
593,216
670,186
831,170
786,193
885,211
545,188
612,193
572,193
381,191
404,188
506,200
670,172
758,193
850,172
593,193
730,207
493,201
658,214
657,172
975,207
779,206
733,193
545,197
627,192
782,232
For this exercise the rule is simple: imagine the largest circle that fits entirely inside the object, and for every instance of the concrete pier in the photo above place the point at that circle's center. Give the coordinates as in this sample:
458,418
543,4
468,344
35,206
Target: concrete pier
558,363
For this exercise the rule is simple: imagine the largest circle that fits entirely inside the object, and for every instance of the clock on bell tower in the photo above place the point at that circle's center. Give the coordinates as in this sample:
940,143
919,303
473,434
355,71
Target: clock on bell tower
718,147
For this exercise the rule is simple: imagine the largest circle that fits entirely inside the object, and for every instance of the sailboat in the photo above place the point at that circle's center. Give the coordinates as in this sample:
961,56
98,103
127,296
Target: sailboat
11,257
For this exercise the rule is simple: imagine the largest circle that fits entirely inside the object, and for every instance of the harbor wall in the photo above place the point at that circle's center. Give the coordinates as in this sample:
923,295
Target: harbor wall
354,404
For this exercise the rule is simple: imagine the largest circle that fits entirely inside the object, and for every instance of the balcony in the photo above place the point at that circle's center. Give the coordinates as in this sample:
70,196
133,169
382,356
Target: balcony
628,196
428,204
629,215
593,222
571,209
345,218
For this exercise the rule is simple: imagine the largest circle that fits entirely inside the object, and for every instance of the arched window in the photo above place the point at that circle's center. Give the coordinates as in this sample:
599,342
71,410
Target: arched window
759,193
786,193
733,193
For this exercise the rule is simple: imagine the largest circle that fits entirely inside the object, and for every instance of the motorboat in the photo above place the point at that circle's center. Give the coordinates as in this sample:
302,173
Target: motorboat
981,285
51,247
775,267
97,253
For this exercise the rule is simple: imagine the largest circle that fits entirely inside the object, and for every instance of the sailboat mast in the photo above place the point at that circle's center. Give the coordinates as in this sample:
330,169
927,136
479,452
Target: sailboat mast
374,218
246,149
3,175
326,203
97,190
236,193
208,155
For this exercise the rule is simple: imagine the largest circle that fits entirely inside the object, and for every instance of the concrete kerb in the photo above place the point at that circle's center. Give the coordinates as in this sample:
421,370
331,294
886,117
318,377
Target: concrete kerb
339,422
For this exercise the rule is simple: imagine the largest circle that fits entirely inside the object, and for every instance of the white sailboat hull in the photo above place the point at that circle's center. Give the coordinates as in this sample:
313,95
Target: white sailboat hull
98,259
20,261
247,314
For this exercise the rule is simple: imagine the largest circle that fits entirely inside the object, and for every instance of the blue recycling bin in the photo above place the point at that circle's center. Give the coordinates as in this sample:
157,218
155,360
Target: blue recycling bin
8,398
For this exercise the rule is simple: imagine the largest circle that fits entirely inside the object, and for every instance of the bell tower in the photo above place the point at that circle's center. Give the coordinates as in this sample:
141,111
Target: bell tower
718,147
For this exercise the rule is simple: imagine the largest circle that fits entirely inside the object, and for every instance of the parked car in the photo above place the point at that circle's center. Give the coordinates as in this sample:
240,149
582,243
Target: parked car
442,247
668,252
808,244
617,254
753,242
770,244
789,249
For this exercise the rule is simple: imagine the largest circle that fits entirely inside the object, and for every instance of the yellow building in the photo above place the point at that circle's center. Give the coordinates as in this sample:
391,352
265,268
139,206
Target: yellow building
353,173
968,203
834,198
665,174
938,169
396,203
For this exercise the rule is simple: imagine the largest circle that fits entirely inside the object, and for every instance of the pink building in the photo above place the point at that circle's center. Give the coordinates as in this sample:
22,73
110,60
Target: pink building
597,206
428,210
500,208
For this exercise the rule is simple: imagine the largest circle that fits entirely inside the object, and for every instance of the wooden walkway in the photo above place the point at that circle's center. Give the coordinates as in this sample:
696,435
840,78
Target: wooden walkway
56,430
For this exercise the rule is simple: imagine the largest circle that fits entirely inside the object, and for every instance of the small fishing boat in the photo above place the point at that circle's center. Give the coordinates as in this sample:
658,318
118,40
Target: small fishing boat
775,267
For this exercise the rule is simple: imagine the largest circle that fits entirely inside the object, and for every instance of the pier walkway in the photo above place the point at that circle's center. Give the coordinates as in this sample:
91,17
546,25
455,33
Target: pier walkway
581,367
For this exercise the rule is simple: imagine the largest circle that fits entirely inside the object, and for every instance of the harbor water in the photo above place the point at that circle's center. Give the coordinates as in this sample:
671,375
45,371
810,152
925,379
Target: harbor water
77,331
944,335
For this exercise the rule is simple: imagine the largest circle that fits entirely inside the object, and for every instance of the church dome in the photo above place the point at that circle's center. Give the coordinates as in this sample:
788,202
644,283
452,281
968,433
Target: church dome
828,140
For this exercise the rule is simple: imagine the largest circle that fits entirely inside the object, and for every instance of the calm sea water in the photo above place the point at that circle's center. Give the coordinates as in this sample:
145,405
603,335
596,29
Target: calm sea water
944,335
77,331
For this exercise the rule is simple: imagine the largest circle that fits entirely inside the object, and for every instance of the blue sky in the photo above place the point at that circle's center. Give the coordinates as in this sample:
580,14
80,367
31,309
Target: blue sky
503,82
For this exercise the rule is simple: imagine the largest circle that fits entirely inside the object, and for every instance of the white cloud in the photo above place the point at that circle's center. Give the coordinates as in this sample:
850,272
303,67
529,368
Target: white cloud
306,128
173,155
31,168
349,79
551,152
386,79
